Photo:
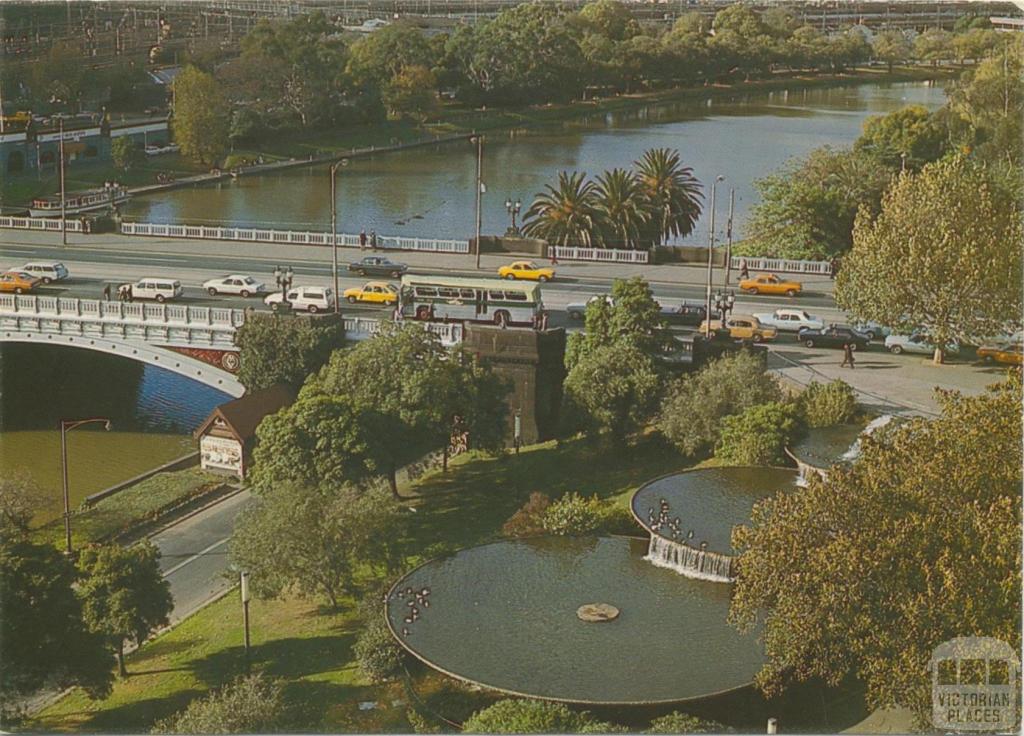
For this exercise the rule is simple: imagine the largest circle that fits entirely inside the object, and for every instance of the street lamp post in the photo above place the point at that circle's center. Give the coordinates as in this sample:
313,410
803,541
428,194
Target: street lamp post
334,231
66,425
728,234
284,279
245,613
63,200
711,250
479,140
513,209
724,302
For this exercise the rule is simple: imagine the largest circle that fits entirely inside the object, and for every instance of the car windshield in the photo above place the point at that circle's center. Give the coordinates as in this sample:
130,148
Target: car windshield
392,289
249,280
530,266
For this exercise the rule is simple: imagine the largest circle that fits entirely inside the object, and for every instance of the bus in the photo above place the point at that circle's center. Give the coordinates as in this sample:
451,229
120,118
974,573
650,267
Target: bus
490,301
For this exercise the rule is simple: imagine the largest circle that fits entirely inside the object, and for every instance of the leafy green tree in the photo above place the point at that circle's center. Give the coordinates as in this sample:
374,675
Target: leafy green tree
934,45
692,416
201,116
907,137
299,541
20,500
807,47
412,91
826,404
990,98
630,314
686,49
378,654
379,58
742,40
565,215
941,258
676,722
807,209
573,515
250,704
246,124
916,543
622,208
125,153
280,349
532,716
672,192
892,47
758,436
615,387
124,594
974,44
44,640
611,19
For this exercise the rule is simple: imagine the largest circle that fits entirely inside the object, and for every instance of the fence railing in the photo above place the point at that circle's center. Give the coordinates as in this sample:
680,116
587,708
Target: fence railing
51,224
607,255
783,265
360,328
292,237
176,314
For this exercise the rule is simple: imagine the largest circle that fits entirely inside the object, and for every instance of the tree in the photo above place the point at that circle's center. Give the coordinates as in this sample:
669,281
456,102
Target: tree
990,99
917,542
59,77
758,436
676,722
20,500
891,47
934,45
692,416
827,404
278,349
44,640
245,125
301,541
630,314
251,704
615,387
378,654
672,192
201,116
908,137
125,153
941,258
807,209
565,215
532,716
611,19
743,40
380,57
411,91
622,210
124,594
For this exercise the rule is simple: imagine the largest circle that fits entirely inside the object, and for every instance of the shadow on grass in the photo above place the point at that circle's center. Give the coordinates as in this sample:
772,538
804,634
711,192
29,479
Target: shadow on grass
138,716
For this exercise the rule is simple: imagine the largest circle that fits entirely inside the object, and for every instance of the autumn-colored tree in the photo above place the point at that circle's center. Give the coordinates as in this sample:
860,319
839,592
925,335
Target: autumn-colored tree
915,543
942,258
201,117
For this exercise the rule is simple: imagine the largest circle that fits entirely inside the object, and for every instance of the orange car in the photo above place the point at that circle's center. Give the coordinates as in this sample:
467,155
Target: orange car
1007,352
769,283
18,282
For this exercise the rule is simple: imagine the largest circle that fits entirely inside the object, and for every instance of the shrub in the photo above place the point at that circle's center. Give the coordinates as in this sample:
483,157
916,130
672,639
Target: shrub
825,404
692,417
758,435
253,704
526,716
676,722
378,654
617,519
574,515
421,723
528,521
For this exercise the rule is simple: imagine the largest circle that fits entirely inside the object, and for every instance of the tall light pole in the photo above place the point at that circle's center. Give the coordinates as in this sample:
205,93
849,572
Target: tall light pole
334,231
63,210
728,234
245,613
479,192
66,425
711,250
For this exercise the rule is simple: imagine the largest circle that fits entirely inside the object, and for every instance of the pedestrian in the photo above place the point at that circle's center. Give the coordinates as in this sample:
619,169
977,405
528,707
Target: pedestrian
554,258
122,292
847,355
373,239
362,239
833,267
744,272
106,292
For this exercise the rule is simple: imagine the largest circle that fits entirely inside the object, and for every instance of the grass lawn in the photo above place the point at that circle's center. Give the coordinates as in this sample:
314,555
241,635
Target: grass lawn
311,648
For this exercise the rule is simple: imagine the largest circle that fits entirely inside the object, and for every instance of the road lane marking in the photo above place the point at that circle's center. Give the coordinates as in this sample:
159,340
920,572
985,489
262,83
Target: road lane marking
195,557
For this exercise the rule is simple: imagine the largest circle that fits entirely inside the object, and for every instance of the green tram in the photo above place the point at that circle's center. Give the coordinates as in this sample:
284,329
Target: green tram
491,301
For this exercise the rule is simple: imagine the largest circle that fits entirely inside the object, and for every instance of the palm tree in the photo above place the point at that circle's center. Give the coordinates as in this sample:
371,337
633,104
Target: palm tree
673,192
564,215
622,208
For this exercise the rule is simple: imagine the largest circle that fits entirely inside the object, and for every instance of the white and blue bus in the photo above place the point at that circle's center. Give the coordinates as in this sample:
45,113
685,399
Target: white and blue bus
492,301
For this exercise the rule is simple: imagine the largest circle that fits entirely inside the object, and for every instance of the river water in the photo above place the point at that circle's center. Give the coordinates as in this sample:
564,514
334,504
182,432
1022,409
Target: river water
429,191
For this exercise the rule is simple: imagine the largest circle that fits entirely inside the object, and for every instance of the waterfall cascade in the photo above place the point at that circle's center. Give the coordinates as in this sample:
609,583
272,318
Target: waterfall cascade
854,451
689,561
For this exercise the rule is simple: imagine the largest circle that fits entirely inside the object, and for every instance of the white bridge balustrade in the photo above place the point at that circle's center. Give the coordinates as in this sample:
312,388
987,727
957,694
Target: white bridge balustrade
360,328
783,265
607,255
292,237
40,223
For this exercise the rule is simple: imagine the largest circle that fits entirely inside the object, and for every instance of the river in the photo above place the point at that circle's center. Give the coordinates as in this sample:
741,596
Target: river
429,191
152,413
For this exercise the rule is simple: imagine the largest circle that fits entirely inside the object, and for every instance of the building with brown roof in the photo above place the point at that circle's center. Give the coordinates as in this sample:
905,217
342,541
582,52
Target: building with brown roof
228,435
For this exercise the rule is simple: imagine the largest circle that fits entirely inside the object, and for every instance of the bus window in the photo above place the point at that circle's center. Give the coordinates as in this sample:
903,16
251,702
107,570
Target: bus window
467,293
497,296
426,291
447,293
515,296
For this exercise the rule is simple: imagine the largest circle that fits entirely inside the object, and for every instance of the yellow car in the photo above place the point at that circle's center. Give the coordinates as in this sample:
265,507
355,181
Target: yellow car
373,292
18,282
743,327
769,283
526,270
1008,352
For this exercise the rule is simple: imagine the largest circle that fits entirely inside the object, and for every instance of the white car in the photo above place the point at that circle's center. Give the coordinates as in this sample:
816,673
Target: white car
897,344
234,284
871,329
48,271
790,320
159,288
310,299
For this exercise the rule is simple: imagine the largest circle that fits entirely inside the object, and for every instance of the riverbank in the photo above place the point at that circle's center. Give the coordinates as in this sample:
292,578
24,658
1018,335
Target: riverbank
304,148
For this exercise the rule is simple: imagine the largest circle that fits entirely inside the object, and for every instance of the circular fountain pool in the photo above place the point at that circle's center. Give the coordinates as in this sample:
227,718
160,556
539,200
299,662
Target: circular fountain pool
504,616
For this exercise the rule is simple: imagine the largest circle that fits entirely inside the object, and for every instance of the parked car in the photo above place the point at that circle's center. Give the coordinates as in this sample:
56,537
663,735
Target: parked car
743,327
526,270
18,282
769,283
46,271
833,337
791,320
915,343
687,314
378,266
872,329
158,289
578,310
310,299
1011,353
234,284
373,292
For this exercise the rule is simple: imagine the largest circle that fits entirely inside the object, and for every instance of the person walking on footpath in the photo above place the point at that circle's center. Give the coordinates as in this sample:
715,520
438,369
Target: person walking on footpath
373,239
847,356
744,272
362,239
106,292
833,267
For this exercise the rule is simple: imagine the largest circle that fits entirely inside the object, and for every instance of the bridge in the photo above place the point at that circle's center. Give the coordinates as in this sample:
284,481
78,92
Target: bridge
195,342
